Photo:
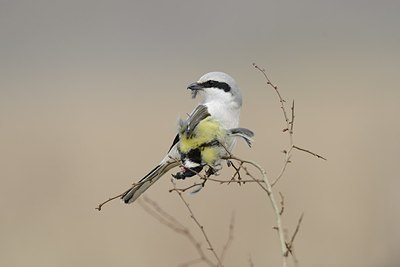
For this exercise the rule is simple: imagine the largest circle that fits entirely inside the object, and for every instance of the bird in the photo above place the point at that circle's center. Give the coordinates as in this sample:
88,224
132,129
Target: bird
206,137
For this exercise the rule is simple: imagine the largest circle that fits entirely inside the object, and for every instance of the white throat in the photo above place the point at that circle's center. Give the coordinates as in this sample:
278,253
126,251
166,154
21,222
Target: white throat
227,113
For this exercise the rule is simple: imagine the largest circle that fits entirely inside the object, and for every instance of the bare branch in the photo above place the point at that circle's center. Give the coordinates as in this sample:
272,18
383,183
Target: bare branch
153,209
189,187
118,196
289,123
201,227
309,152
237,173
288,155
274,204
230,238
242,181
108,200
289,245
297,230
292,120
282,203
275,87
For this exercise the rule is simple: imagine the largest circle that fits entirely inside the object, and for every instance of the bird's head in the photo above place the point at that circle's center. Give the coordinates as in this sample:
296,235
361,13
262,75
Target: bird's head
217,86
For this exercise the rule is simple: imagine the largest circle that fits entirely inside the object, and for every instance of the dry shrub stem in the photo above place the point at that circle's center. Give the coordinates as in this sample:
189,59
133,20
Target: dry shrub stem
230,238
286,247
274,204
106,201
153,209
199,225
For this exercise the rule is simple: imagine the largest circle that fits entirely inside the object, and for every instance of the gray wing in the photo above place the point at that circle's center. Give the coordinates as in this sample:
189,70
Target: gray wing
245,133
198,114
176,140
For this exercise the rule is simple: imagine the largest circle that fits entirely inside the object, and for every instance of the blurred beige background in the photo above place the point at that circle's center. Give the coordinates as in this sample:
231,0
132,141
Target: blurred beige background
90,93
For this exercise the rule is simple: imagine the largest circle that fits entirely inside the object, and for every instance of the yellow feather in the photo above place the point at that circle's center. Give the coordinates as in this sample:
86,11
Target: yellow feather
209,155
206,131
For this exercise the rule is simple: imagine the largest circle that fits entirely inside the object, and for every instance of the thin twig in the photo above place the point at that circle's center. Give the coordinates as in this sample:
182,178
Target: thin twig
230,238
296,230
108,200
258,181
281,100
201,227
309,152
290,245
274,204
292,120
288,155
289,123
189,187
204,178
120,195
243,181
153,209
282,203
237,173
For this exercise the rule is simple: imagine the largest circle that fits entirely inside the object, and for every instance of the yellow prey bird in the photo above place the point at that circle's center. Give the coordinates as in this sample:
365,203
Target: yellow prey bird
206,137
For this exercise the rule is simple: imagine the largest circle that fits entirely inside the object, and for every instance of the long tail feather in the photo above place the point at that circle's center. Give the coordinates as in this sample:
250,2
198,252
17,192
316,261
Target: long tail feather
133,193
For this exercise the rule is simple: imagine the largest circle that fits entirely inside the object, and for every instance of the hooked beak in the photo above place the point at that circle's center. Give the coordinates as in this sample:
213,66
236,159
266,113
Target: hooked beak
195,87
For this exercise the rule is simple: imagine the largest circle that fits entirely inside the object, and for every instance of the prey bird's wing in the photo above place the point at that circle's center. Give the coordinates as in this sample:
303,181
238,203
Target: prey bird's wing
188,125
198,114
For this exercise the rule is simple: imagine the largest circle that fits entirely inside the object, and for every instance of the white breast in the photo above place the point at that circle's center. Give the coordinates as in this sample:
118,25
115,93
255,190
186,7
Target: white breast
227,114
